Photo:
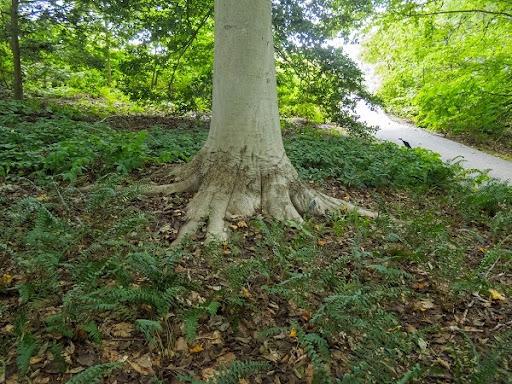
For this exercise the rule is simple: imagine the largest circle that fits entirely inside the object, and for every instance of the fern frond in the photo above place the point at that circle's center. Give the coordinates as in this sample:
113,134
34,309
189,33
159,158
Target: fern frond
318,352
27,347
149,328
94,374
239,370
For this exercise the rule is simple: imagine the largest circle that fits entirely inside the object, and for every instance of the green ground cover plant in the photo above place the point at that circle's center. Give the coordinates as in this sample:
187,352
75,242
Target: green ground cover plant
91,291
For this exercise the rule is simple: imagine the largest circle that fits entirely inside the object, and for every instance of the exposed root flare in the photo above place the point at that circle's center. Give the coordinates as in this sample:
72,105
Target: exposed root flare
227,189
170,189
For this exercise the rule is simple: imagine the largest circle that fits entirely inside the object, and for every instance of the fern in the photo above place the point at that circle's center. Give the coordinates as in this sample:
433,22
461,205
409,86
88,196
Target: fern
58,324
192,317
410,375
92,330
149,328
141,296
239,370
238,273
318,352
94,374
27,347
58,356
191,323
491,368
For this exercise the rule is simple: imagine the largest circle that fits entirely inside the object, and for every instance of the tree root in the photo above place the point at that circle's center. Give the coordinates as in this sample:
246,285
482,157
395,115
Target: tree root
226,190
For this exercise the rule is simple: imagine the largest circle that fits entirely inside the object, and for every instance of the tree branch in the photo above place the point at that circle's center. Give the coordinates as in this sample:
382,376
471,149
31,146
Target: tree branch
484,11
187,45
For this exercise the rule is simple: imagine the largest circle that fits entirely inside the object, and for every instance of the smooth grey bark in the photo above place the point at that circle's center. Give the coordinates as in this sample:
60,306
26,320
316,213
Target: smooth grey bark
243,168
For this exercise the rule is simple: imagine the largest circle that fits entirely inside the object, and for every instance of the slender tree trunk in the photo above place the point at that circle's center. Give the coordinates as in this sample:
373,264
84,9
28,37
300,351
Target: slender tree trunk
108,55
16,52
154,77
243,168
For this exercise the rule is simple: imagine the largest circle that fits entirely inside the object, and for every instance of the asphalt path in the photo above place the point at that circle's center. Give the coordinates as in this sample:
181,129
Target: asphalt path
392,129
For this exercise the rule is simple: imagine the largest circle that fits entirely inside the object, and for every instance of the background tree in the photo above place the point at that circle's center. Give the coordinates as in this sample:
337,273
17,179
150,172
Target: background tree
446,65
162,52
16,52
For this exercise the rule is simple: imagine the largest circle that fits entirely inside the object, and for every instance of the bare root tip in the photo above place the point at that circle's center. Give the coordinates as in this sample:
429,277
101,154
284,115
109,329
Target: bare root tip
189,229
170,189
360,211
318,204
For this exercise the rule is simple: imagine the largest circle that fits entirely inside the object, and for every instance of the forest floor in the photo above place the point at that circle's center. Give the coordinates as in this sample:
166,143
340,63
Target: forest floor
91,291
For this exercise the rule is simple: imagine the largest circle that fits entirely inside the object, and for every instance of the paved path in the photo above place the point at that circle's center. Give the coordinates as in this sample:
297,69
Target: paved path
392,129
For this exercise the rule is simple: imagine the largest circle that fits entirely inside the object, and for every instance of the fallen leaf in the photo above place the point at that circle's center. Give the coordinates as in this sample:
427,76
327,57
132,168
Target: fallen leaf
293,333
208,373
109,352
198,348
122,330
444,363
165,229
86,359
6,279
9,328
424,305
142,365
242,224
310,374
216,338
43,197
226,359
245,293
496,295
322,242
41,380
421,285
422,344
74,371
36,360
181,345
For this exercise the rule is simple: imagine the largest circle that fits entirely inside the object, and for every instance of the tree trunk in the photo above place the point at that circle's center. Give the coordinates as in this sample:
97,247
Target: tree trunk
108,55
243,168
16,52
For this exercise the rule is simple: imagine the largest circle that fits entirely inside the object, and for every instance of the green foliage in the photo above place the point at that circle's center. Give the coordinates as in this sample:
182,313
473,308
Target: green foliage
67,149
60,146
317,350
163,54
344,283
361,163
234,373
192,317
444,64
94,374
27,347
490,366
239,370
149,328
102,272
490,199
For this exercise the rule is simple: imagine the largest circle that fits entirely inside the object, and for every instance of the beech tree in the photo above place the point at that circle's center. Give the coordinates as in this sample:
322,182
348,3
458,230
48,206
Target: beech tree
243,168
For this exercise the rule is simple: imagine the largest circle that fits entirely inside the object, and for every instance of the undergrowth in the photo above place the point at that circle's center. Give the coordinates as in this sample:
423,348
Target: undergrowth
413,296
